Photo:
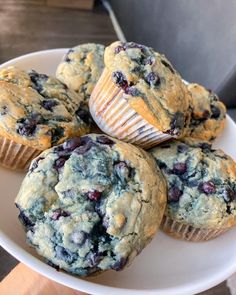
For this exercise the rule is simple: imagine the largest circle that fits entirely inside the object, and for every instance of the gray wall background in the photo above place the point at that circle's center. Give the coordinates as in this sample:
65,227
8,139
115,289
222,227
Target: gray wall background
198,36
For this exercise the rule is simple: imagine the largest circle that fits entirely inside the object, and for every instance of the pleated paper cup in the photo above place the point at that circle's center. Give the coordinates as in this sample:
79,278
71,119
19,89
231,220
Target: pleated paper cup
16,156
111,111
186,232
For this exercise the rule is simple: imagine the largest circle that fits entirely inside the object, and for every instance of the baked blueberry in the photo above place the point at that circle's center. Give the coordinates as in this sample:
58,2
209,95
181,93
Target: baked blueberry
26,126
152,79
119,79
119,48
49,104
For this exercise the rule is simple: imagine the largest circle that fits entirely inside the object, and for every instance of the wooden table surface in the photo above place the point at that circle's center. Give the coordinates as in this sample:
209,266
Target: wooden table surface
30,25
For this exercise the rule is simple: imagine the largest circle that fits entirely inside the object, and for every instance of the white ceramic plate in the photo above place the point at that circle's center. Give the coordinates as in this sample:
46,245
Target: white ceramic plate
166,266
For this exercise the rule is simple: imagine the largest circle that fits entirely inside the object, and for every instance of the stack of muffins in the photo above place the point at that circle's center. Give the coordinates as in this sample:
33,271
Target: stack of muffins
92,202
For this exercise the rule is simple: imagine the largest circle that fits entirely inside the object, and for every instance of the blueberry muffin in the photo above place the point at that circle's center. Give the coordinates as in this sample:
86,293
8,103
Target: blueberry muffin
36,112
91,204
81,68
208,114
201,189
140,98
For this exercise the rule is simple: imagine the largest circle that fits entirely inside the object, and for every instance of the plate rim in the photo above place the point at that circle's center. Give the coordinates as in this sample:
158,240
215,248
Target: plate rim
86,286
33,53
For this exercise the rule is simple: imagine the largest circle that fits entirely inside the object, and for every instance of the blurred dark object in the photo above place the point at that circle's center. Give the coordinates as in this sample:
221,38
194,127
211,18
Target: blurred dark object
227,89
7,263
232,113
80,4
199,37
220,289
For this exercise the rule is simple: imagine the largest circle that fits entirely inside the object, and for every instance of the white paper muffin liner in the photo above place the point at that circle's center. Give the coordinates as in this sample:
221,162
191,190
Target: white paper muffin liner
16,156
111,111
186,232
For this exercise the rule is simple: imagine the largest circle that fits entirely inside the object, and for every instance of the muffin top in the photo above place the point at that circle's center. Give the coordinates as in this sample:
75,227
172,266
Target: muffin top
152,86
37,110
201,183
81,67
99,200
208,114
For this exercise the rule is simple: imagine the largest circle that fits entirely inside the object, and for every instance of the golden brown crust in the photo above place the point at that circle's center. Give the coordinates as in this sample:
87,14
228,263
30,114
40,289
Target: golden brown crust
25,119
159,95
81,68
208,114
